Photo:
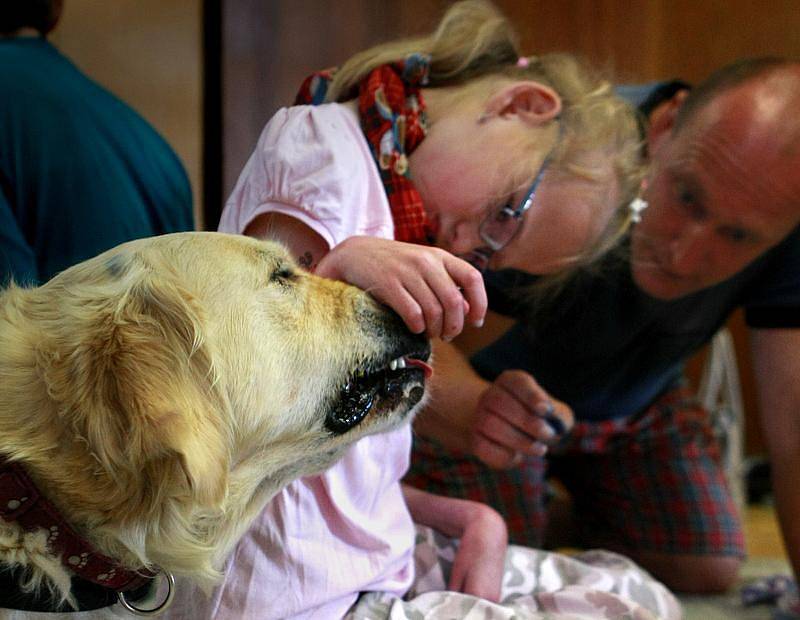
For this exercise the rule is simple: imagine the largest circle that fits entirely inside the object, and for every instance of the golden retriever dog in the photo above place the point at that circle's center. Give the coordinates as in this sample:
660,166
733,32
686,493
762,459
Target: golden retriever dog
158,395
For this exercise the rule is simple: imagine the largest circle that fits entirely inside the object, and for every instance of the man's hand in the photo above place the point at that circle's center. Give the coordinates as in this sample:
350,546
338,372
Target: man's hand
514,417
432,290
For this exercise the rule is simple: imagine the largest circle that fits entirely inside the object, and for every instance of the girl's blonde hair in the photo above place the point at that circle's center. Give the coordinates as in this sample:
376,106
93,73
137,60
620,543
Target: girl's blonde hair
475,46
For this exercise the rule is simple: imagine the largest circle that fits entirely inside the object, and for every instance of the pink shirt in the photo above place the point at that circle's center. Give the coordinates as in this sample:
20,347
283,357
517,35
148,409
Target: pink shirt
323,539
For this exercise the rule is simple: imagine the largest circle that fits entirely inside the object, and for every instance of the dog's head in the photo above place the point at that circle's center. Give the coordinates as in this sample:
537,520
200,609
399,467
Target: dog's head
177,382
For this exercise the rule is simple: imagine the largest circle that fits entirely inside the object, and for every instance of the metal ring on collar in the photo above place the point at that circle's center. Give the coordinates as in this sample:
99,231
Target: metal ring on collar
156,610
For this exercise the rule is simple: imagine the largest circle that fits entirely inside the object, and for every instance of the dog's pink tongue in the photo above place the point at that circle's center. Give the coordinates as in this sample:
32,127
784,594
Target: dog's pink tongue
411,361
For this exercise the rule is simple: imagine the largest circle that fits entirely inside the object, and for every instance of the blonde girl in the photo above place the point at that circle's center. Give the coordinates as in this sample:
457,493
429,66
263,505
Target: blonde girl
409,155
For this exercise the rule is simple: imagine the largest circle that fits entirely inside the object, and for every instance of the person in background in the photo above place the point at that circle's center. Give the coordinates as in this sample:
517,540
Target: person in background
642,464
449,140
80,171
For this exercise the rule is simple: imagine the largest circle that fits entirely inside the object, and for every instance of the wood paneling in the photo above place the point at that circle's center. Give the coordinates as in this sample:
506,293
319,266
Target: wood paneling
271,46
147,52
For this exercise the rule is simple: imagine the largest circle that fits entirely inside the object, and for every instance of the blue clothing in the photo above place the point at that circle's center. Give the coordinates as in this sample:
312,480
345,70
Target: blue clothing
609,350
80,171
645,97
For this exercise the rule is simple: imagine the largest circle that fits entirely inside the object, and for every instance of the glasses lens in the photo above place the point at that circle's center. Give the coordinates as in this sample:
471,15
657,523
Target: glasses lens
498,230
505,215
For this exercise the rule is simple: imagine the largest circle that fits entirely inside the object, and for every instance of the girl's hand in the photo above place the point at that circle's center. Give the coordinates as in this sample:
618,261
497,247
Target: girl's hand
483,539
432,290
479,562
514,417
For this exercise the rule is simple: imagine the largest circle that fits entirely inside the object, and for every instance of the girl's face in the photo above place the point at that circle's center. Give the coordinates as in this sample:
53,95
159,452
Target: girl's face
464,171
567,216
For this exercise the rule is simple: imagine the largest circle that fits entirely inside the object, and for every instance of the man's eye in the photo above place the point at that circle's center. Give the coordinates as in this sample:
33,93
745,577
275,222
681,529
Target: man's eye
687,202
686,198
737,235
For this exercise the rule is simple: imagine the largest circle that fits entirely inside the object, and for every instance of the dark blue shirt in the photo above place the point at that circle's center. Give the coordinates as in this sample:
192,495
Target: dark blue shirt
80,171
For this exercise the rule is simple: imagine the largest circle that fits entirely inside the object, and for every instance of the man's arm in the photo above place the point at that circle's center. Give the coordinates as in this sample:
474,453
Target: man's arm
456,388
776,359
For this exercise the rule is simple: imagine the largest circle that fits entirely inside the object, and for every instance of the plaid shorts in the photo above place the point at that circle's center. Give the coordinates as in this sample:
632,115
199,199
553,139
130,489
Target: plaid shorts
650,482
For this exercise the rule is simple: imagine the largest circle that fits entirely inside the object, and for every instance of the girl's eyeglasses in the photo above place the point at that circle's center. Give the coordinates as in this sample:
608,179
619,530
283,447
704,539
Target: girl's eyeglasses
498,229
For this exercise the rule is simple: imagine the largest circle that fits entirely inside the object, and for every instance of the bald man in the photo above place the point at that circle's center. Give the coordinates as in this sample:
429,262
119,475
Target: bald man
642,463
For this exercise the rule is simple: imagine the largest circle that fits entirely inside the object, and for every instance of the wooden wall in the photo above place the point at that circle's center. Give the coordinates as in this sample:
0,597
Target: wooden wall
269,46
149,54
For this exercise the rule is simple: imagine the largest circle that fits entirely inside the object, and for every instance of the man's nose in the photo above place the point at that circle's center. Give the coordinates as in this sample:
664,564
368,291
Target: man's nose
689,251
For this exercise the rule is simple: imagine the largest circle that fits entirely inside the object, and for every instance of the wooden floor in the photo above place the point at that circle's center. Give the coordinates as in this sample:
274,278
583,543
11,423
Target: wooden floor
765,558
763,537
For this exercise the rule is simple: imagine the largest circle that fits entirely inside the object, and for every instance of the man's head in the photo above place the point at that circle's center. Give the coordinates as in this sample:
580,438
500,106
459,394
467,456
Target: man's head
724,185
40,15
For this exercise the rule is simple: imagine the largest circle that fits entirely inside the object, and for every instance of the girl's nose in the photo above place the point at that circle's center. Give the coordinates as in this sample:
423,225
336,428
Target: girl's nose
464,237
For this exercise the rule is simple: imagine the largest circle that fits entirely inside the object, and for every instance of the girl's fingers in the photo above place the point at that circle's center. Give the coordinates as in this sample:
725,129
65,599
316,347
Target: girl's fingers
451,303
492,454
528,439
405,304
428,301
473,290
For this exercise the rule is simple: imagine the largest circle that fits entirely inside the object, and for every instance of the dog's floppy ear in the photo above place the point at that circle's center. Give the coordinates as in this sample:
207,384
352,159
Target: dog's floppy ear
169,381
149,376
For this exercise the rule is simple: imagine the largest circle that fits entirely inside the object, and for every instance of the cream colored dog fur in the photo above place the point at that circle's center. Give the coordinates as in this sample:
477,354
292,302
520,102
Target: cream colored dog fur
161,393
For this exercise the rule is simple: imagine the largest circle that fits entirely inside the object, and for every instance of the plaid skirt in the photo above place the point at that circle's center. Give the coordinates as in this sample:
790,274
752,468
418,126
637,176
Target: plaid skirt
650,482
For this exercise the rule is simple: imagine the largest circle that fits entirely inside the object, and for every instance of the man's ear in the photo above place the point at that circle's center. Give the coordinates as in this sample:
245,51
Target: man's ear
532,102
662,120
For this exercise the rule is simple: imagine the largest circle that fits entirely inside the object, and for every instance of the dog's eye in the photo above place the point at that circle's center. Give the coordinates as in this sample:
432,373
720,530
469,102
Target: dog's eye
282,275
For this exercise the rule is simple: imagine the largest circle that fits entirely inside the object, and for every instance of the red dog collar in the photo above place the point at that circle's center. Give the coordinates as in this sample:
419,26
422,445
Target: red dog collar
21,501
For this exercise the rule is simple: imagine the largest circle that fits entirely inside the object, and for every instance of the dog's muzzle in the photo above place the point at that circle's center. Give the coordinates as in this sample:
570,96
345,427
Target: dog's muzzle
398,381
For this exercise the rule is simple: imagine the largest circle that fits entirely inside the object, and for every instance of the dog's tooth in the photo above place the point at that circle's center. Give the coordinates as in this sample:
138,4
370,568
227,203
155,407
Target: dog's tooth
393,365
401,362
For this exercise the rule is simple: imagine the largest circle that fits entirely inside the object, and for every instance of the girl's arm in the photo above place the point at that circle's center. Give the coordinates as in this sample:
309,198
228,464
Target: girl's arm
479,562
432,290
305,244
